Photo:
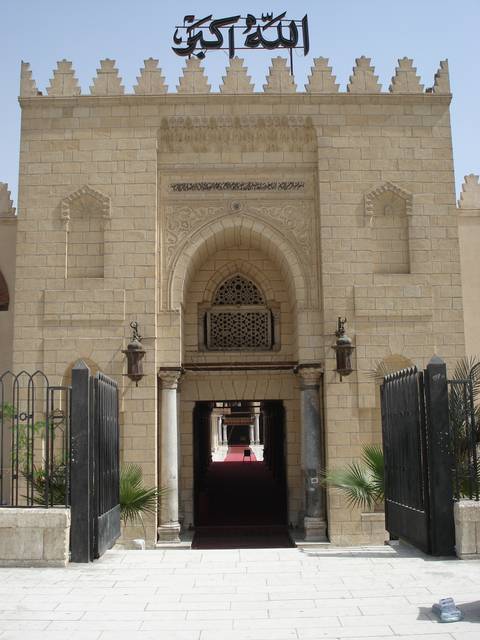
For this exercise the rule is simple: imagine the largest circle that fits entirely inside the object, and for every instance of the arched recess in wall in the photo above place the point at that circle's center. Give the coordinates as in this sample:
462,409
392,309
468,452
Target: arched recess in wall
231,232
388,208
4,295
85,213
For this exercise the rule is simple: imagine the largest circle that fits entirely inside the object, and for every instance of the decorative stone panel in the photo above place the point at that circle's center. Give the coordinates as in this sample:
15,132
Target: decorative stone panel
293,220
200,134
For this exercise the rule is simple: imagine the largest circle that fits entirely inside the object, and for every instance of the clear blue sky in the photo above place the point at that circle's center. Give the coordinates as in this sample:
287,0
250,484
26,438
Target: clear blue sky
84,31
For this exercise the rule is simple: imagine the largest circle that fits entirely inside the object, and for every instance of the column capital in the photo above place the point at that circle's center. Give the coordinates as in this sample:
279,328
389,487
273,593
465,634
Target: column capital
310,374
169,377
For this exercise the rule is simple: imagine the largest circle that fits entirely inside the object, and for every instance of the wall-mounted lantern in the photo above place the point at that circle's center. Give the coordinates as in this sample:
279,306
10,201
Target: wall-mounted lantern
343,350
135,353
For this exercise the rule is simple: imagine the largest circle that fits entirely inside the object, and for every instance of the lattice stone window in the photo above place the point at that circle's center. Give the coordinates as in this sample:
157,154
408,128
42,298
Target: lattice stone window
239,319
238,290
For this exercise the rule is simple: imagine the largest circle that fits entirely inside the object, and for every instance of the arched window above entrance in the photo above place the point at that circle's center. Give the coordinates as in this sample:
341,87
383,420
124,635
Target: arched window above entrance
239,318
238,290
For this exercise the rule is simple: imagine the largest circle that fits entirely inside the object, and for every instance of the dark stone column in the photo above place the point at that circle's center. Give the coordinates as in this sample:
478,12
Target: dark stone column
313,451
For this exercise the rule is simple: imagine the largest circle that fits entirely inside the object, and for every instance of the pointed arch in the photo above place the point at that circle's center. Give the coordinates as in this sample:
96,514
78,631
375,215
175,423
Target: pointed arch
100,200
225,233
247,270
371,197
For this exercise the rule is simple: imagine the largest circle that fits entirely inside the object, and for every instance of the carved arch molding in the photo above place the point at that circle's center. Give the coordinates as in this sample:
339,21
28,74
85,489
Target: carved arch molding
87,199
294,221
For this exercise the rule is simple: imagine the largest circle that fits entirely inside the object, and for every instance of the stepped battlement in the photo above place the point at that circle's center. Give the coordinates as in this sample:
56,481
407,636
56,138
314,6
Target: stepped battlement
236,80
7,210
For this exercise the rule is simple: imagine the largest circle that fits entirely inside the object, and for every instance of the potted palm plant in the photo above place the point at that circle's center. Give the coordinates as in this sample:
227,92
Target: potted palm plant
362,483
136,500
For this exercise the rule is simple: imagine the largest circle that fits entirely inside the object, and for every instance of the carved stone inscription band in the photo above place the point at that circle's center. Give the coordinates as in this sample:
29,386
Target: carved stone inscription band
238,186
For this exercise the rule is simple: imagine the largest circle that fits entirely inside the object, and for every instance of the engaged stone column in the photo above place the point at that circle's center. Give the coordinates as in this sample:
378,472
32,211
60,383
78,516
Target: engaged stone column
213,432
169,528
225,433
257,428
312,452
251,434
220,430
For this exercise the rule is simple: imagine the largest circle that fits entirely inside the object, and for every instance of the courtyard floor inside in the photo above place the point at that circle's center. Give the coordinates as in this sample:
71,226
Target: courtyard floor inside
253,594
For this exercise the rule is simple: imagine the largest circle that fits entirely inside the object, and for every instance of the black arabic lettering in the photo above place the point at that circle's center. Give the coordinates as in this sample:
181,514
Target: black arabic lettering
256,34
197,40
257,39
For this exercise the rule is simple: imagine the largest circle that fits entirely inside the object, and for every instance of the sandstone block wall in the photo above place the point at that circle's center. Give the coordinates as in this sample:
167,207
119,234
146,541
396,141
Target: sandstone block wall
351,213
467,529
469,236
34,537
8,232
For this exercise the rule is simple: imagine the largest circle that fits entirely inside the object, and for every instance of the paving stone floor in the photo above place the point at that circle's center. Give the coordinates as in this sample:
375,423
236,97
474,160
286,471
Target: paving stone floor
374,592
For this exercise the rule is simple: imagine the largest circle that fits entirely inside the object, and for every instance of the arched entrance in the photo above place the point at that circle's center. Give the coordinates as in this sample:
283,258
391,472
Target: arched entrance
242,349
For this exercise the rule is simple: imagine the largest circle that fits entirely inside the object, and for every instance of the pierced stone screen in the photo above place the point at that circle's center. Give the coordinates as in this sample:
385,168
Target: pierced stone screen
239,330
238,290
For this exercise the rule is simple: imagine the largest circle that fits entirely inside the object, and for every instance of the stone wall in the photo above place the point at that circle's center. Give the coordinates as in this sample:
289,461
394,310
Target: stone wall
341,204
8,232
469,236
34,537
467,529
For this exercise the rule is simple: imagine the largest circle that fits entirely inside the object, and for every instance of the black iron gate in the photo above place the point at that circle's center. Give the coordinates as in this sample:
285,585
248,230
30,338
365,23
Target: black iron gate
418,458
34,441
95,479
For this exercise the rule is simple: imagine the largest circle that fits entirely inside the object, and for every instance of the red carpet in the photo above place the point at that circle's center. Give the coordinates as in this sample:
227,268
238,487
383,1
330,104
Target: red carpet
241,505
242,538
236,454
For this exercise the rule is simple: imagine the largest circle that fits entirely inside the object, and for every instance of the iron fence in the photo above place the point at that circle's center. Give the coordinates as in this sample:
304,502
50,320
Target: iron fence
34,441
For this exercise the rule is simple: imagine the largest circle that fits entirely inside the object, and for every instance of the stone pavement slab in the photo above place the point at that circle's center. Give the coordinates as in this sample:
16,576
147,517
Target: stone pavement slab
279,594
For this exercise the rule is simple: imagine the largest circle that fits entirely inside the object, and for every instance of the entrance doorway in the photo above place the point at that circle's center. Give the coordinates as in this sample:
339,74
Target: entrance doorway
240,490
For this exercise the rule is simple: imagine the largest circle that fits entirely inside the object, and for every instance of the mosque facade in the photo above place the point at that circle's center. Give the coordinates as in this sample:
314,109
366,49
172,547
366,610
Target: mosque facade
236,227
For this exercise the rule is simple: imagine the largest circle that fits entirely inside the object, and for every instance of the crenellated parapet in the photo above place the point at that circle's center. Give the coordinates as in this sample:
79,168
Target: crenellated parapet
470,195
64,82
7,210
363,79
405,79
236,80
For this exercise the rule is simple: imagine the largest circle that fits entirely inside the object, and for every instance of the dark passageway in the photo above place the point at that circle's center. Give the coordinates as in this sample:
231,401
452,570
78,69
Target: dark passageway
241,502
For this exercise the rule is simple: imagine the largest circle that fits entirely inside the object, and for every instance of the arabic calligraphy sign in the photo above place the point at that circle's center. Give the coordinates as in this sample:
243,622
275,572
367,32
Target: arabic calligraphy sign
197,36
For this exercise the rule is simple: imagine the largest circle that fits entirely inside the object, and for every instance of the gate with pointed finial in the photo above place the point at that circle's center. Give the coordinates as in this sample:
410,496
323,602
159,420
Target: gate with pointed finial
418,458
